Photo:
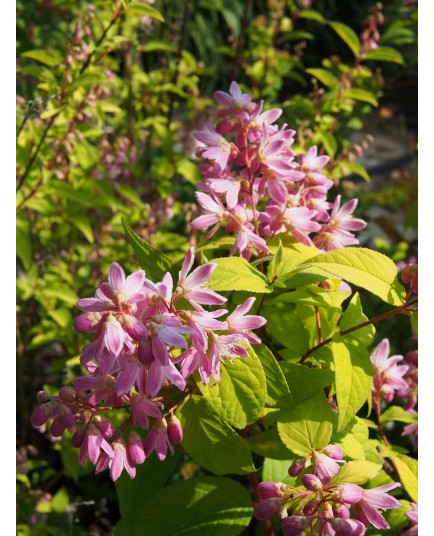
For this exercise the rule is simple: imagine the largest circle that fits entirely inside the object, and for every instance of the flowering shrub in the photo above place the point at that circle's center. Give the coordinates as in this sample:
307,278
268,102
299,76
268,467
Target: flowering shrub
287,383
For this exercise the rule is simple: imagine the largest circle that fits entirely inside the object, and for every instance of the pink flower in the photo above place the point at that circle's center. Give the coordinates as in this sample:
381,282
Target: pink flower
372,501
214,215
190,286
324,467
413,516
217,147
234,102
239,323
388,375
158,440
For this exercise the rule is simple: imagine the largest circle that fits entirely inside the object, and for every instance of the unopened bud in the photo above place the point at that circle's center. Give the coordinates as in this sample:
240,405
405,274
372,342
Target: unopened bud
297,467
294,525
334,452
174,430
67,394
311,482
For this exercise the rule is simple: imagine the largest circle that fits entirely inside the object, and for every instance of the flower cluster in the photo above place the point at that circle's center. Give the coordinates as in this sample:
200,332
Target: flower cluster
323,507
148,337
257,187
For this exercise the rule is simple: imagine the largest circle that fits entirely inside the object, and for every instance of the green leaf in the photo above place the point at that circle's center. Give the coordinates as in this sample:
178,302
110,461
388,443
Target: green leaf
137,8
363,267
355,472
396,516
61,292
278,393
407,469
155,263
353,316
311,14
313,295
306,382
239,396
414,322
290,257
276,470
47,57
360,95
134,494
397,413
358,169
206,505
353,378
82,223
308,426
208,439
353,438
385,54
269,445
235,273
287,328
324,76
226,242
347,35
329,141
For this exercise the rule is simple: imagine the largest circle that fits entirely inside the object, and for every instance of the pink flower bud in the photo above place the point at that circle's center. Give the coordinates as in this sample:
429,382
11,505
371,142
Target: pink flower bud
77,438
266,490
334,452
341,510
67,394
311,507
294,525
43,396
267,508
297,467
174,430
41,414
311,482
327,511
348,527
135,450
348,493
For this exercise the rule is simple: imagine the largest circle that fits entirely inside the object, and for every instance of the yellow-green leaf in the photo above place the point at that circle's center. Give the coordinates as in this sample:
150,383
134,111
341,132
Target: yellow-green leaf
347,35
407,470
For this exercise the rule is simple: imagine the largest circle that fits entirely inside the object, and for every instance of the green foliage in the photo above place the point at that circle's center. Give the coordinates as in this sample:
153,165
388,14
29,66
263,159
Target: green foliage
208,439
307,426
239,396
235,273
216,505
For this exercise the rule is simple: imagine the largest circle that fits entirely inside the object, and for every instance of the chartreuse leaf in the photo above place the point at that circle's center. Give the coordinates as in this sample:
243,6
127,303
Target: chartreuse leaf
353,378
209,439
276,470
385,54
324,76
269,445
362,95
235,273
355,472
313,295
353,316
308,426
239,396
353,438
278,393
144,9
407,469
397,413
225,242
206,505
396,516
347,35
287,258
363,267
305,382
135,493
47,57
155,263
285,325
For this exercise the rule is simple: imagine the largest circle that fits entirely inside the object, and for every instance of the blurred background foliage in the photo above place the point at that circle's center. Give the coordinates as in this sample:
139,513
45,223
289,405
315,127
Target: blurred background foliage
108,97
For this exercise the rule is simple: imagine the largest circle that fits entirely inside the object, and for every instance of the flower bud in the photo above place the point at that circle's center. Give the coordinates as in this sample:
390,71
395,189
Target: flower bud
311,507
135,450
266,490
348,493
348,527
43,396
174,430
327,511
334,452
67,394
297,467
41,414
311,482
341,510
294,525
267,508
